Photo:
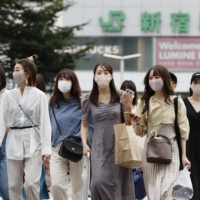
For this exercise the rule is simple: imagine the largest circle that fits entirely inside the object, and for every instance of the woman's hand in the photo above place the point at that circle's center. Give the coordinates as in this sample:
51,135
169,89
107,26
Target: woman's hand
135,118
45,159
186,162
126,100
86,149
7,130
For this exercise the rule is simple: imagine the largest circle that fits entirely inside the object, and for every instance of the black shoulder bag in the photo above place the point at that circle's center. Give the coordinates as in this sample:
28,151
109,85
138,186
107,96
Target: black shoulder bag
177,131
71,147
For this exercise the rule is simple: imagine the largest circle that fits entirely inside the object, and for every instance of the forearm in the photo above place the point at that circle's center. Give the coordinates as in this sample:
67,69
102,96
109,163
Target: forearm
183,147
127,118
84,132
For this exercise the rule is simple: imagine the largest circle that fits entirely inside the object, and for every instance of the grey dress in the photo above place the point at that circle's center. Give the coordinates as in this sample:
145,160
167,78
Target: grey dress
109,181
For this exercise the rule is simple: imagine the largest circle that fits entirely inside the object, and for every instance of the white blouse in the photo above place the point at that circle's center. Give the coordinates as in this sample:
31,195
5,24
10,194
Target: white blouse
23,142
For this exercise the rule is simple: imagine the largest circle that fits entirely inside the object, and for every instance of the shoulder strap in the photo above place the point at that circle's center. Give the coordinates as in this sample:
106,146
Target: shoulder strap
177,130
122,114
56,121
28,117
176,109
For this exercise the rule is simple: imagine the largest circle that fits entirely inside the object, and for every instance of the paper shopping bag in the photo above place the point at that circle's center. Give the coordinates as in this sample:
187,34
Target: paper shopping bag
128,146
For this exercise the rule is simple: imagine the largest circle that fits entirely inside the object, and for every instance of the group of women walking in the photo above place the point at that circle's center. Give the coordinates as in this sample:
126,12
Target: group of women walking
33,129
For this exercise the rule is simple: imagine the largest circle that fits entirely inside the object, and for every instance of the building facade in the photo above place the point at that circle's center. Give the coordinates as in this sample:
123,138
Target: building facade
164,32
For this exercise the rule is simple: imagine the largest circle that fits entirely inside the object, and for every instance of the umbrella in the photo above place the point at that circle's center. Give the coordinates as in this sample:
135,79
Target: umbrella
85,176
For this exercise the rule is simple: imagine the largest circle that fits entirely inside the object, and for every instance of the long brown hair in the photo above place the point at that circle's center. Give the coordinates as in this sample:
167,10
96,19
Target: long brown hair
75,91
95,92
40,83
128,84
2,78
161,71
30,68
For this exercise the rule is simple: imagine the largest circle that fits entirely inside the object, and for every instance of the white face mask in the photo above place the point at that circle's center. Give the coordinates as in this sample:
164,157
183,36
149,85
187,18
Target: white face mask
195,88
156,85
102,80
64,86
18,77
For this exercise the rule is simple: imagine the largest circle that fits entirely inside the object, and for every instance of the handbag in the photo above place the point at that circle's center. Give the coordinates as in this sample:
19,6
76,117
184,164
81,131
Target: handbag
140,191
159,149
128,146
71,147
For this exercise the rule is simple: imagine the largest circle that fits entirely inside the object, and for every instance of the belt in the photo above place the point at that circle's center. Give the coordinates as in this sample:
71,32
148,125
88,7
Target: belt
24,127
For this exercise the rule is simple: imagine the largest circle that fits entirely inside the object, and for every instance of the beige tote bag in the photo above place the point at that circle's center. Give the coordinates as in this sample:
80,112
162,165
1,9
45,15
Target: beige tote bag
128,146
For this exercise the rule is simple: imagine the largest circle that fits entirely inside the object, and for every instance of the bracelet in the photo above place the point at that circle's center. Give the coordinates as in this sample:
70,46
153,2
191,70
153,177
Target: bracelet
137,124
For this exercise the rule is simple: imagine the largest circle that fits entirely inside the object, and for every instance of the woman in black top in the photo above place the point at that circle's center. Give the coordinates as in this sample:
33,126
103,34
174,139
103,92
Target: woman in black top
192,104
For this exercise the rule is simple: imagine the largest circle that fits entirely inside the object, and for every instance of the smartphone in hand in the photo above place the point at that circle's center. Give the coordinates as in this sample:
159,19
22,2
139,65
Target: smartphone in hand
131,93
131,114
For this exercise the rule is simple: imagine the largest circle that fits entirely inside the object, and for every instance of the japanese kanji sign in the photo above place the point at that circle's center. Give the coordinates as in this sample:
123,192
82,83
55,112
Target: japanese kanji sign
152,21
180,22
149,22
178,53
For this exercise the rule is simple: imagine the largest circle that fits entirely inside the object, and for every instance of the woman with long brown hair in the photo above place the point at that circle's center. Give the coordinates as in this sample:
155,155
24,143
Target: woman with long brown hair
25,112
109,181
156,112
65,115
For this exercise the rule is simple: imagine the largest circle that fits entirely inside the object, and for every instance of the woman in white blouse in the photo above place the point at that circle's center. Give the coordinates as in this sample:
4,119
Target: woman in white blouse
25,111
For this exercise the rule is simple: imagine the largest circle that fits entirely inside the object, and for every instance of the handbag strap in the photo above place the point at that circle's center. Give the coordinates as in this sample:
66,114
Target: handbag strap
122,114
27,116
56,122
177,130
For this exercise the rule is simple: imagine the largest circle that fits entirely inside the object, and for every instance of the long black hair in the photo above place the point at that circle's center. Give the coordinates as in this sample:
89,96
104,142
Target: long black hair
161,71
95,92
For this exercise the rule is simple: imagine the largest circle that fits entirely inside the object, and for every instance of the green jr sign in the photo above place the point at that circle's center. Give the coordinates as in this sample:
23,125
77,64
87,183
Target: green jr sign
149,22
115,21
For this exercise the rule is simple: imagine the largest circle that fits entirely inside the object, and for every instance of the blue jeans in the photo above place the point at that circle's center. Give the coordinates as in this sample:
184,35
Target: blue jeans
3,171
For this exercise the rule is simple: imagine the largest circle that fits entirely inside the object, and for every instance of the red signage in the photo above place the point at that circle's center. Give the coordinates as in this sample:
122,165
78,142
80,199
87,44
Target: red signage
178,53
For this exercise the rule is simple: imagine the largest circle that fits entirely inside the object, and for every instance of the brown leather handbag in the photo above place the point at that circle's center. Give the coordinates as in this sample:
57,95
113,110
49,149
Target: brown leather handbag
159,149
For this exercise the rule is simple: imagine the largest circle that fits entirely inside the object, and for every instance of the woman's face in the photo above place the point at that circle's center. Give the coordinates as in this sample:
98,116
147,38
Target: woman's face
18,68
64,78
102,71
64,84
196,81
154,77
19,75
155,82
102,77
195,86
